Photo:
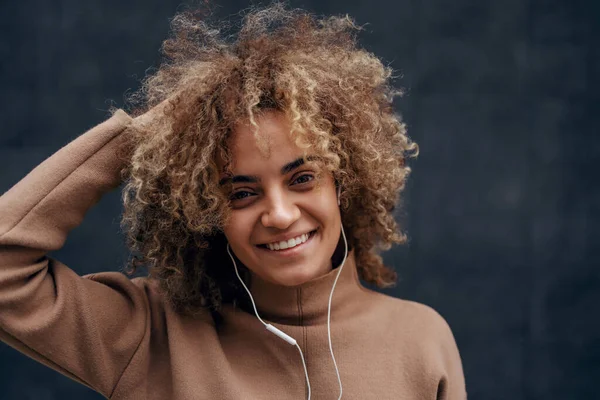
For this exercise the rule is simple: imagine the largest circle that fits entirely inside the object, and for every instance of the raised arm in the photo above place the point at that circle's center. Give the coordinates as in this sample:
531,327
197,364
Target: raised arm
87,328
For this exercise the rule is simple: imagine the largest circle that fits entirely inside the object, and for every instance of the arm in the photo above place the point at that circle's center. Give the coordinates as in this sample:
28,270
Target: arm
452,385
86,328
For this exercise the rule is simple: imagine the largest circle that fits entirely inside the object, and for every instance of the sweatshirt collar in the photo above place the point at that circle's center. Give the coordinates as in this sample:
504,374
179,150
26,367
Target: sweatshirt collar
306,304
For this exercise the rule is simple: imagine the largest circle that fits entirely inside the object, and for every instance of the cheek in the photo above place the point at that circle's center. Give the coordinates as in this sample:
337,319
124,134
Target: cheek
324,208
328,199
238,230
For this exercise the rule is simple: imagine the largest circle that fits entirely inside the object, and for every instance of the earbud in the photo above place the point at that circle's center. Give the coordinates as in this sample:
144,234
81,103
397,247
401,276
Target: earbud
339,191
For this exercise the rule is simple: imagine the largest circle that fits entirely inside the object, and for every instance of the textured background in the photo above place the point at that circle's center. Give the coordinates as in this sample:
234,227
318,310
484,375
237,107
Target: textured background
502,209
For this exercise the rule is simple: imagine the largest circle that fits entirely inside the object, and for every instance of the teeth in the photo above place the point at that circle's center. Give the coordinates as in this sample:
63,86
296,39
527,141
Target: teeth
287,244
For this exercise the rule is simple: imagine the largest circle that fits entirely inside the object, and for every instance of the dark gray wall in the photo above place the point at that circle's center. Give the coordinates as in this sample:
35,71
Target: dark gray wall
503,205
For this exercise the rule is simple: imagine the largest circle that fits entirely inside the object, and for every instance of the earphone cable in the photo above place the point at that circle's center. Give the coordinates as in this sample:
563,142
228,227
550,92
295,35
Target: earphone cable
290,339
329,311
268,325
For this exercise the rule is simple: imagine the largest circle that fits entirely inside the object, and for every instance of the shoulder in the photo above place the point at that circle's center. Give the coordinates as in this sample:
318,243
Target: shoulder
410,310
151,289
417,321
161,307
429,334
425,333
140,290
423,339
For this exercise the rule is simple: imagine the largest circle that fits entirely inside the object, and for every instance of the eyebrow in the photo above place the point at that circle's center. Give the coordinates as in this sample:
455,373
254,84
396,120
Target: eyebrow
286,169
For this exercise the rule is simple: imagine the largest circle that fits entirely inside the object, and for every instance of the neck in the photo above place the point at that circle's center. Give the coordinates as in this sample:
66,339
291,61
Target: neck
306,304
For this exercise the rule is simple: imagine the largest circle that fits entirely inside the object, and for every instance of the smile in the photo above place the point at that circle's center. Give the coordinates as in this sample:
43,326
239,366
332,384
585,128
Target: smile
290,243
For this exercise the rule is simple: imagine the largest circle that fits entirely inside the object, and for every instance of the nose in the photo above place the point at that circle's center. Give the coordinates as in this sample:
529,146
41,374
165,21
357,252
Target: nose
281,212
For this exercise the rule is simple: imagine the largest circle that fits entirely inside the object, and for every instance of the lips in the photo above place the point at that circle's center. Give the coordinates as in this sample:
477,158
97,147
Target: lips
289,243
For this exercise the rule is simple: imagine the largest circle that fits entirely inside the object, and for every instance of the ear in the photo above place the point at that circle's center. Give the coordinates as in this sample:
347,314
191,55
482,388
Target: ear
339,191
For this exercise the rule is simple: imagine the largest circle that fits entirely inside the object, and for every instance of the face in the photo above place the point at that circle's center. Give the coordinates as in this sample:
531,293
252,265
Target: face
285,221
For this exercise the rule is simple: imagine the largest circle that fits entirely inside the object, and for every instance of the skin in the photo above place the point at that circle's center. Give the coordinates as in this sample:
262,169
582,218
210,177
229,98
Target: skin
274,205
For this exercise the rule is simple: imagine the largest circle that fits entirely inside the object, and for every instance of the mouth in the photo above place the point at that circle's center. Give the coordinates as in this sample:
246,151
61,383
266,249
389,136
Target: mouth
288,246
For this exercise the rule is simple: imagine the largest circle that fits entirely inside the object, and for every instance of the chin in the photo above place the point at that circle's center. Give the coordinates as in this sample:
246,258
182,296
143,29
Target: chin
296,277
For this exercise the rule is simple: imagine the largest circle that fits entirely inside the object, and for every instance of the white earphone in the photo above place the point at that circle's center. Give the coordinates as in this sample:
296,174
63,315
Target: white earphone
285,336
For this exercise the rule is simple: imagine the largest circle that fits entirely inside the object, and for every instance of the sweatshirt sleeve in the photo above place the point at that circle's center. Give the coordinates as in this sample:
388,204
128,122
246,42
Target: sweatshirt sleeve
87,328
452,384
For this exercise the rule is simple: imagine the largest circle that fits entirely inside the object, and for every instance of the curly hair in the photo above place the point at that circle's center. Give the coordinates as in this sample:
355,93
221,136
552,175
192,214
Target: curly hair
338,98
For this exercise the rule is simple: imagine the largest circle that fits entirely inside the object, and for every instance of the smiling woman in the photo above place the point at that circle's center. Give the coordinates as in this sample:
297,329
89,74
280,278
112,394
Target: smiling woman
277,147
277,199
290,74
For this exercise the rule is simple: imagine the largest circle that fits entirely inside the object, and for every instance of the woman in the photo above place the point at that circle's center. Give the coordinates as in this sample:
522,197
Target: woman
261,176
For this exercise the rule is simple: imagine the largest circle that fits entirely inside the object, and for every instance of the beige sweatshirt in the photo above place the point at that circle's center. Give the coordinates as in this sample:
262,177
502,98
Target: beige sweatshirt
120,338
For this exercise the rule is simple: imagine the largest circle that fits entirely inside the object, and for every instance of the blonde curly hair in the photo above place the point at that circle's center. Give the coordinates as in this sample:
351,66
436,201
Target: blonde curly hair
338,98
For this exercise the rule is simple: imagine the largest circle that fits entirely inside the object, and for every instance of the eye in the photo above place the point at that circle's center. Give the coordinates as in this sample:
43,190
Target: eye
242,194
303,179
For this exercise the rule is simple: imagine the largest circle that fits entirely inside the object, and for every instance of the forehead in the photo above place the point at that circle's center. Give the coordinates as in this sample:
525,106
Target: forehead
270,147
